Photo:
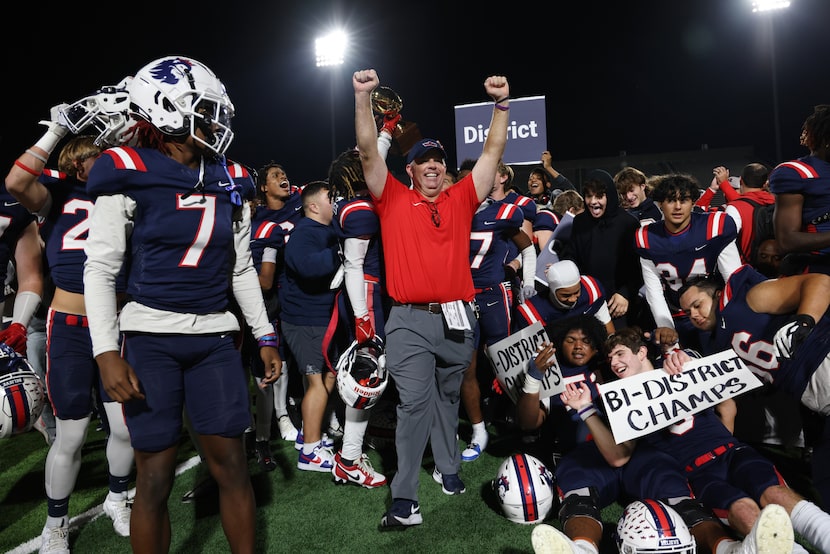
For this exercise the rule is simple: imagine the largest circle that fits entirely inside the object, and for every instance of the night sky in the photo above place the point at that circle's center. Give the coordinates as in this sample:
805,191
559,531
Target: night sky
642,76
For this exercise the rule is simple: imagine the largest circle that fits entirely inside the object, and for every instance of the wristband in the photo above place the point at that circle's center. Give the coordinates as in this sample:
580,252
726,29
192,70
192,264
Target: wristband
26,168
587,411
36,155
499,101
531,385
267,340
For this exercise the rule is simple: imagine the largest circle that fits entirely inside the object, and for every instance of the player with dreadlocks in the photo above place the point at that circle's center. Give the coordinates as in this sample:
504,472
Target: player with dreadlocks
358,227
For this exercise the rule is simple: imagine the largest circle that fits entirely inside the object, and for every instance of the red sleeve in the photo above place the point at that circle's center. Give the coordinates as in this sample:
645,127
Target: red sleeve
705,199
729,192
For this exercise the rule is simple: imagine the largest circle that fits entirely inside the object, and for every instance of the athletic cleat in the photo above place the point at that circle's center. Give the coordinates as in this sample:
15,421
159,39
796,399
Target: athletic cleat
402,514
450,482
550,540
55,540
320,459
325,441
771,533
119,511
287,429
361,473
264,457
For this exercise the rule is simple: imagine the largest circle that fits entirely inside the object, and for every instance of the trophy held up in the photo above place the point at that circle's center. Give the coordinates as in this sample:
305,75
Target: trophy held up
387,104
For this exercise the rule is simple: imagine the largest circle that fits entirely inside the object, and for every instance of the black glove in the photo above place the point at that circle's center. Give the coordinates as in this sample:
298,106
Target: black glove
790,336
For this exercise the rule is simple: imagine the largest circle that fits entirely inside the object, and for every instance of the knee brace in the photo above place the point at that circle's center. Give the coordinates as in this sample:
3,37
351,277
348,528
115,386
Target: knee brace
691,511
581,505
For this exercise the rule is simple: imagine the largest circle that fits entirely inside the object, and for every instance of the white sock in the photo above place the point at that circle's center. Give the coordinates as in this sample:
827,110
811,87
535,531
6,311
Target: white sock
812,523
479,432
117,496
308,447
52,522
280,388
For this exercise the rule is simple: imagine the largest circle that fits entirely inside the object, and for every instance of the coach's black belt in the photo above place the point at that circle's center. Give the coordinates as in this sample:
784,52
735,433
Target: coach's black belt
432,307
709,456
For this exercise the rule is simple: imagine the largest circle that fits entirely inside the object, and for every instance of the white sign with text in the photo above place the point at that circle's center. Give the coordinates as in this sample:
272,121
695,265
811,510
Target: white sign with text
644,403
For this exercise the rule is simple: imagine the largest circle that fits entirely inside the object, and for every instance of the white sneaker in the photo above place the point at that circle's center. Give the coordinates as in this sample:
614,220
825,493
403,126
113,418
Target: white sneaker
550,540
475,448
119,511
287,429
54,540
771,534
321,459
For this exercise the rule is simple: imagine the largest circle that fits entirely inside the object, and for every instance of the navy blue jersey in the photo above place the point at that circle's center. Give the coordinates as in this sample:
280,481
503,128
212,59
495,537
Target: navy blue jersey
526,204
545,220
266,232
14,219
690,253
751,335
181,245
490,234
356,218
539,308
810,177
691,437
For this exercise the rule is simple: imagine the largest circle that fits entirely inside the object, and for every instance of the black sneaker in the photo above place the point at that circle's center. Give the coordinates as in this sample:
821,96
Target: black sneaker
450,483
402,514
264,457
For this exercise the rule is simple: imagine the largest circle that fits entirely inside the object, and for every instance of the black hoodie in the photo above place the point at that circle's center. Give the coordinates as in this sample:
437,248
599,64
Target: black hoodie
603,247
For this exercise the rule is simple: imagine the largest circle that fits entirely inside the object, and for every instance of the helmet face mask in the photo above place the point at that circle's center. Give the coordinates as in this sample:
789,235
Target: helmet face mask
525,490
106,111
361,374
650,526
181,96
22,397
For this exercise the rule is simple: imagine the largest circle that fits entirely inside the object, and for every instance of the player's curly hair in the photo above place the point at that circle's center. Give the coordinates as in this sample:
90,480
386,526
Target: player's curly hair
816,128
675,185
346,175
77,149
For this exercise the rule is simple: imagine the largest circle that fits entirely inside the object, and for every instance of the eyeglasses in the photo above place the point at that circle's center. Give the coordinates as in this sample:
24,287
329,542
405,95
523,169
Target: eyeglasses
433,210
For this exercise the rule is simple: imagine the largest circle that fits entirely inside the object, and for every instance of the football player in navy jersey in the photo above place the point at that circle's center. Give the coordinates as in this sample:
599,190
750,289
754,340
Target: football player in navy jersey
684,244
272,221
60,197
569,294
781,329
358,228
495,236
802,198
172,211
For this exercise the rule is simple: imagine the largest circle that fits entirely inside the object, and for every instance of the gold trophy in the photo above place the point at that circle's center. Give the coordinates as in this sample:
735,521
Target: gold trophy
387,104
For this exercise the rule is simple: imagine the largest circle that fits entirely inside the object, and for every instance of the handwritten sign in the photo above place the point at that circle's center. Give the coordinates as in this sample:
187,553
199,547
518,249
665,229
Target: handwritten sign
644,403
509,359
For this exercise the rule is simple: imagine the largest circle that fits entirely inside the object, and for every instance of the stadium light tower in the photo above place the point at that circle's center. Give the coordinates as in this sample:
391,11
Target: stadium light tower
331,52
768,8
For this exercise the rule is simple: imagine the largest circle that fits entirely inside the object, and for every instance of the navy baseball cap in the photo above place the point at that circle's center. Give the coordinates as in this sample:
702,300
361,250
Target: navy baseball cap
422,147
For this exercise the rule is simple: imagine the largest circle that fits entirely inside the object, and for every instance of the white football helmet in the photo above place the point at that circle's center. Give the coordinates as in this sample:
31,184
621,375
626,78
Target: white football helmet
651,526
525,489
107,111
21,393
361,373
179,95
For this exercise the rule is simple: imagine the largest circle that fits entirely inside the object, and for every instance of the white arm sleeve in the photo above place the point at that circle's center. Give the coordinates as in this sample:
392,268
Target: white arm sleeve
245,282
355,250
110,226
603,315
729,260
529,265
384,143
654,295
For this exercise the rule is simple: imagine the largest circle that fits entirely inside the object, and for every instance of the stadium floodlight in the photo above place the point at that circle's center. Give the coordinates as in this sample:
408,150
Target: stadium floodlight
331,48
769,5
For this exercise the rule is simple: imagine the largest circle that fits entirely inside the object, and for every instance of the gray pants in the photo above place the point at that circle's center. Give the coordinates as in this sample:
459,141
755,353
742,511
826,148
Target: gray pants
427,362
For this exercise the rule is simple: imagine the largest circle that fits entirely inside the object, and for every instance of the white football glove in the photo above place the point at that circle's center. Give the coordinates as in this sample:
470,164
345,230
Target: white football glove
790,336
528,291
56,128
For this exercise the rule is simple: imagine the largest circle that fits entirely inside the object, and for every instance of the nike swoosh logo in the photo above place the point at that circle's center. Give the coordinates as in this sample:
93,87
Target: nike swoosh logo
417,203
700,247
11,203
489,222
221,184
491,304
723,324
298,208
353,474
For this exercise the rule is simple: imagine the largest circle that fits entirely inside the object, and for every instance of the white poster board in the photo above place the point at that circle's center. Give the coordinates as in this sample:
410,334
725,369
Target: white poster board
644,403
509,359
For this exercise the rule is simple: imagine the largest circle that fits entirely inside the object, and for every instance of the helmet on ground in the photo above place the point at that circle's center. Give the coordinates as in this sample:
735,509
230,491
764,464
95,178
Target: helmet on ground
361,373
107,111
525,489
650,526
179,95
21,393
